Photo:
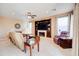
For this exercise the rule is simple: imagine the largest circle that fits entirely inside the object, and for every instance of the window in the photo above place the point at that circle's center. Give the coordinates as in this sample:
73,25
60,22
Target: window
30,28
62,24
27,27
71,26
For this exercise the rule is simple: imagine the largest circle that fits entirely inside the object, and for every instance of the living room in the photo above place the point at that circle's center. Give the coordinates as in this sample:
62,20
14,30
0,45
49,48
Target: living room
38,19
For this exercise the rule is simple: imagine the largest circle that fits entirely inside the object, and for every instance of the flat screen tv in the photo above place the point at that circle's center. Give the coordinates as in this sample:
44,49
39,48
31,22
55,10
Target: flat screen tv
42,26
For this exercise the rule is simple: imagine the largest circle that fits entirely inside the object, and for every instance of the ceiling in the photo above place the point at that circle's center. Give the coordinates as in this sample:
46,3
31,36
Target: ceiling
40,9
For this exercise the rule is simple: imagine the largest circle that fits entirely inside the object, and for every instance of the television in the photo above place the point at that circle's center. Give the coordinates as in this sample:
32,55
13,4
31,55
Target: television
42,26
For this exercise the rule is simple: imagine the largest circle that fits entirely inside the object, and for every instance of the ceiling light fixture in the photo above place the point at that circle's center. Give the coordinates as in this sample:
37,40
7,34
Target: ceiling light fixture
30,15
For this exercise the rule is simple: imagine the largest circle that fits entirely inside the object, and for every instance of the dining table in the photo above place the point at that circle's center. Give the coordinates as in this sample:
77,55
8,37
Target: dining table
31,41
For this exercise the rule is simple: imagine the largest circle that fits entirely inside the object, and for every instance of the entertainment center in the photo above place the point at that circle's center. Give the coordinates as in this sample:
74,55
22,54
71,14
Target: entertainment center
43,25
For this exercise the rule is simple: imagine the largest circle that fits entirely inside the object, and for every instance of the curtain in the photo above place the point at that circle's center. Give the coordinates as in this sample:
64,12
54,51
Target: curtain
76,30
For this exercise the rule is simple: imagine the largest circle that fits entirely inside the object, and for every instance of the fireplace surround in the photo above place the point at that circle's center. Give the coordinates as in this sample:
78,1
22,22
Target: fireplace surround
42,33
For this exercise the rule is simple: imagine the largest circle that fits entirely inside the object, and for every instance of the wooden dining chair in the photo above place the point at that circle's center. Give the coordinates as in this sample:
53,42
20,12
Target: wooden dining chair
37,41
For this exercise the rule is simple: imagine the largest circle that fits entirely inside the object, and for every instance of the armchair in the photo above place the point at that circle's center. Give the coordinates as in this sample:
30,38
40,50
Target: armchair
63,40
17,39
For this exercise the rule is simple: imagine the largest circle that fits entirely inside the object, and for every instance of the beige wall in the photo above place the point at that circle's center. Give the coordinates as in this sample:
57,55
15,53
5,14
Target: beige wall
7,25
53,26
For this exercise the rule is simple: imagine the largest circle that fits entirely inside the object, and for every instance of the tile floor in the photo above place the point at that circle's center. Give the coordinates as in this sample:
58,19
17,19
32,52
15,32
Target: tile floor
47,48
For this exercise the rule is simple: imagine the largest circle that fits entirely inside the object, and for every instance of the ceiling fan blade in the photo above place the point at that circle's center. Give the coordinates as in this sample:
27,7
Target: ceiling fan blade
34,15
29,14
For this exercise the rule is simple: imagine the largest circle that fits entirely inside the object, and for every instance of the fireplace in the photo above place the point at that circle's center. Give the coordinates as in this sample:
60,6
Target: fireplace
42,33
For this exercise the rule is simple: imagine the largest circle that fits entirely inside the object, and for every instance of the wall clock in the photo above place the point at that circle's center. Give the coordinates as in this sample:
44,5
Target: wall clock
17,26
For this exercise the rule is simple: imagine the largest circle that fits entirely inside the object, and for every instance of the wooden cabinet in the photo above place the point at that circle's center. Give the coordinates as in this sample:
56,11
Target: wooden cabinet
64,43
46,26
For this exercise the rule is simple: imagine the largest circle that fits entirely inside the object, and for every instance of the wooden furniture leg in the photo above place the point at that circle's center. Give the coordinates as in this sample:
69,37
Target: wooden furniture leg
24,49
38,47
33,47
30,51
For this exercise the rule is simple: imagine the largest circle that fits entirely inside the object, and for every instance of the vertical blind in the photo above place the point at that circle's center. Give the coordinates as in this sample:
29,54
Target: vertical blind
62,24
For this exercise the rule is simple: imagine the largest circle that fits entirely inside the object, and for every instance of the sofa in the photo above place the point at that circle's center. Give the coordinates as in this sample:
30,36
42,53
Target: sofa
63,40
17,39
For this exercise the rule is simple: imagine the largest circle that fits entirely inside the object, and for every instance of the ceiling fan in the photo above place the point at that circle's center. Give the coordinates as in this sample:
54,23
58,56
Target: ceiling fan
30,15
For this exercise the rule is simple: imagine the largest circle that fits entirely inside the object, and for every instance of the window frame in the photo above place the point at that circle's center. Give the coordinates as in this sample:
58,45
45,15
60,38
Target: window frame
69,24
